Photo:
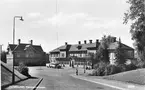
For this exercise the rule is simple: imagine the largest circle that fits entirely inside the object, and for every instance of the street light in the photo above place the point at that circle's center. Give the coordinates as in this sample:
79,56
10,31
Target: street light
20,17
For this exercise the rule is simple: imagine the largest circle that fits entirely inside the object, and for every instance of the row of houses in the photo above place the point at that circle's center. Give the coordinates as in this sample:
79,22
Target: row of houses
34,55
82,50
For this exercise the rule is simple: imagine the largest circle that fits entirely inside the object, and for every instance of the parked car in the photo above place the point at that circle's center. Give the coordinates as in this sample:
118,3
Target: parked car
50,65
53,65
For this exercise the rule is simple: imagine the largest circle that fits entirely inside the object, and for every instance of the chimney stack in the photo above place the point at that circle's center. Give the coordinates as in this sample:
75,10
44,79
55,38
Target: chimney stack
90,41
97,40
31,42
79,42
97,43
85,42
65,43
19,41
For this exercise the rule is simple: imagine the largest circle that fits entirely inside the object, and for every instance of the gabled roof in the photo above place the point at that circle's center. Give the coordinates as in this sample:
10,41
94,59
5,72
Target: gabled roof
58,49
114,45
22,46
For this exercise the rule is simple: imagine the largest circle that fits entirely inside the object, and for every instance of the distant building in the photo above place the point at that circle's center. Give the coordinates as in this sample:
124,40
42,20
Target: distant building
27,53
81,51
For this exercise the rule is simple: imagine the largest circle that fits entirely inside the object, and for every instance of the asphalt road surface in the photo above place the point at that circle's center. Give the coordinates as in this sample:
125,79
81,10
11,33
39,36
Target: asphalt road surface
60,79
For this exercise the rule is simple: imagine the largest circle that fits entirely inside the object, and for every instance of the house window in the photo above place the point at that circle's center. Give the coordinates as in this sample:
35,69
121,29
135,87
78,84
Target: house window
27,55
130,54
63,54
18,55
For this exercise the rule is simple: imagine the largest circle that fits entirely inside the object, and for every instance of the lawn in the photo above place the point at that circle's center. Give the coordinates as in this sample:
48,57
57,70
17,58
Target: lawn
133,76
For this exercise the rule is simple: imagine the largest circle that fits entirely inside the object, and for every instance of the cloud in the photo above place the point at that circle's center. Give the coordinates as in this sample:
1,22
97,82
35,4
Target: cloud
101,23
66,19
34,15
76,20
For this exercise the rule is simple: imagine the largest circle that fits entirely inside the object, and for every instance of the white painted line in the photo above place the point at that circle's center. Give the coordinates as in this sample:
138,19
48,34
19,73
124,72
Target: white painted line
101,83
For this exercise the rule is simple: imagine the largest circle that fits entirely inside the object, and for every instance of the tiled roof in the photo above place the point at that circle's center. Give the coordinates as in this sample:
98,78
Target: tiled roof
116,44
22,46
74,47
83,47
87,46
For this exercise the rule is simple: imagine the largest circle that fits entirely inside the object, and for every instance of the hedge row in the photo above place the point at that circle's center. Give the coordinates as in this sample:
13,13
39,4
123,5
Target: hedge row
103,69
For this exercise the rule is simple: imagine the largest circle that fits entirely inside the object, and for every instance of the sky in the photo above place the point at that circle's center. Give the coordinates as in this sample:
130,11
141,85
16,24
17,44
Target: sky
51,23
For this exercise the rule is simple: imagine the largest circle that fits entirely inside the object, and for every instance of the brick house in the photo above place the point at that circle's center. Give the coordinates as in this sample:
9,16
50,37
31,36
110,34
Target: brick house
27,53
128,51
81,51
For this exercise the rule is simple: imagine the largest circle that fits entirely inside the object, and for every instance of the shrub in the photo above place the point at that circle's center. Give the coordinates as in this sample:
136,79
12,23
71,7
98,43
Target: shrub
23,69
99,69
112,69
131,67
141,64
122,67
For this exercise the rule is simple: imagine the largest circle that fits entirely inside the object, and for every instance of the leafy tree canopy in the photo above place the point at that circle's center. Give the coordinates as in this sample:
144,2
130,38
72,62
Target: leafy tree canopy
136,14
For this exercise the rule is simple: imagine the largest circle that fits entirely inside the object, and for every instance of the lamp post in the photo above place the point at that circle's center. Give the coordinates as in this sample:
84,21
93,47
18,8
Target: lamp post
20,17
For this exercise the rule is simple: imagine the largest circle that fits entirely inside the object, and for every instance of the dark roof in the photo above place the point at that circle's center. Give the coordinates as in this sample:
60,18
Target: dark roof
91,46
22,46
74,47
116,44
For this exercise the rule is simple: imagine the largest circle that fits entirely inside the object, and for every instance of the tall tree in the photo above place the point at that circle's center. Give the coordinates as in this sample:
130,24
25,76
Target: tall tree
102,52
136,14
120,54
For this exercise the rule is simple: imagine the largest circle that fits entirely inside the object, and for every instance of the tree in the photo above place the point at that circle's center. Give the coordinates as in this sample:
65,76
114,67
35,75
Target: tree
102,52
92,58
136,14
120,54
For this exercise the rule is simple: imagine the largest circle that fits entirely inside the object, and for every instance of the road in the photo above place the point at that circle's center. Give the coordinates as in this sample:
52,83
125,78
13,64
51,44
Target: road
60,79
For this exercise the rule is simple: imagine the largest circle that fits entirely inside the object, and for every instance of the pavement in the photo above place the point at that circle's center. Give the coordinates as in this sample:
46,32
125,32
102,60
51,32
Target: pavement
28,84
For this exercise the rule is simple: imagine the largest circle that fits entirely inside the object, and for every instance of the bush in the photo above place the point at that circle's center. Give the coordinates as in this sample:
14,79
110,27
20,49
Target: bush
99,69
122,67
112,69
131,67
23,69
102,69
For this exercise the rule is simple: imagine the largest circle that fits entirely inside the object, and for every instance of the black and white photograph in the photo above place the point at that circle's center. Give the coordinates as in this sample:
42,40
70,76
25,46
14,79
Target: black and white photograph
72,44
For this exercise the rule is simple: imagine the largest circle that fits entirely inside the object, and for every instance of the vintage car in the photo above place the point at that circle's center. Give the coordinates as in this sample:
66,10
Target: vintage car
53,65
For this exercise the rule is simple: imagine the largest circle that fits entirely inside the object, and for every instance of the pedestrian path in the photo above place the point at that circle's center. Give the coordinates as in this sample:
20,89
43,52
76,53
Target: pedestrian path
28,84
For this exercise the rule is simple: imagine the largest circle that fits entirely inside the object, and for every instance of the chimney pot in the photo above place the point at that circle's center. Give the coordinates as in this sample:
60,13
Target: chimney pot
19,41
79,42
65,43
31,42
90,41
97,40
85,42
